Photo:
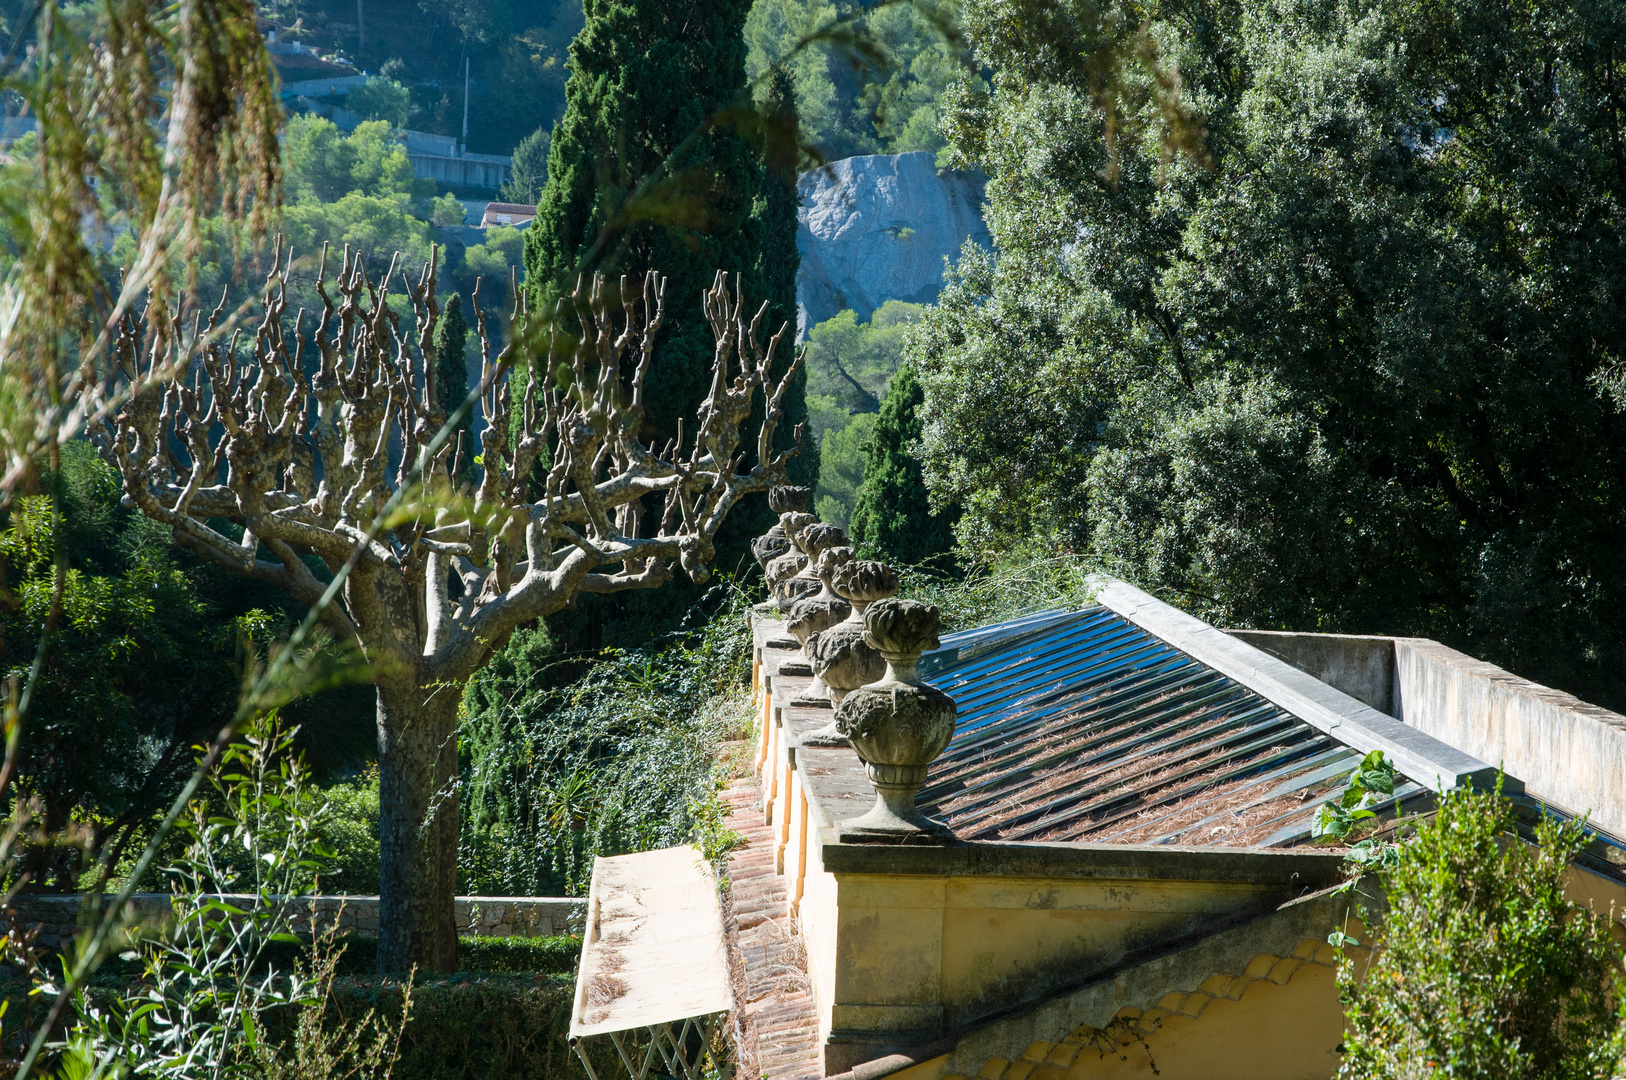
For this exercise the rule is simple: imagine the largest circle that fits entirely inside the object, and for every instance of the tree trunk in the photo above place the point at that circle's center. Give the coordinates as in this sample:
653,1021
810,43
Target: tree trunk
418,827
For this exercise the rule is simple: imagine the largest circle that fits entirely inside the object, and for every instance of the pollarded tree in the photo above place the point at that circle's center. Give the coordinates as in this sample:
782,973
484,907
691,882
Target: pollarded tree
324,434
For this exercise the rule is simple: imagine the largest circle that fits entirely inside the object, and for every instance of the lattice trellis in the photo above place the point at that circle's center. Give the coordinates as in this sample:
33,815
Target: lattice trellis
698,1050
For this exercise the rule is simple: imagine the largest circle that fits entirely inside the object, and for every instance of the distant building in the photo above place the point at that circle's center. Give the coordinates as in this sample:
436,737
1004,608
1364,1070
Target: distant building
506,213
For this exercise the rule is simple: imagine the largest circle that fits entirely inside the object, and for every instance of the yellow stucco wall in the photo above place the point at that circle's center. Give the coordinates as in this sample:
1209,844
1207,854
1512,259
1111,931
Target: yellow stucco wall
911,953
974,944
1232,1029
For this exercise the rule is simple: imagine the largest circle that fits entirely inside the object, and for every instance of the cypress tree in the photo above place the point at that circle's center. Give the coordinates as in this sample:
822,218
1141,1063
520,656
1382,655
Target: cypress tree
779,260
451,370
892,518
645,76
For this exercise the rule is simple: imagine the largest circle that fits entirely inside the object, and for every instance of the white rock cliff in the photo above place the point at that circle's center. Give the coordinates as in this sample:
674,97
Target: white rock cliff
873,229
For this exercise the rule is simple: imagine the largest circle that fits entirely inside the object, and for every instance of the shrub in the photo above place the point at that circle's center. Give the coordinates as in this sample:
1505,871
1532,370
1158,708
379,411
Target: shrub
381,99
349,828
1482,967
621,759
478,1027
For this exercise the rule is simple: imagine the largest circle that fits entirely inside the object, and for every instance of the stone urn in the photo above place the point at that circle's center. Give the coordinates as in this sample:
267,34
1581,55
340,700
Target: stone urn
776,542
815,614
790,499
840,655
811,540
791,566
898,725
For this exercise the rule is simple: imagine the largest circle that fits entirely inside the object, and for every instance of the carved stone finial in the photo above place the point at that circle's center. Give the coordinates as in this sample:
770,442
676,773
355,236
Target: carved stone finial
769,546
840,656
793,522
898,725
790,584
776,542
901,630
862,582
787,498
819,536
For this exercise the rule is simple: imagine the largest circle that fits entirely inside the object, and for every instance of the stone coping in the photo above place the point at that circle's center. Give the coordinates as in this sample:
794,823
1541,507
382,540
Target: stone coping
57,914
1254,866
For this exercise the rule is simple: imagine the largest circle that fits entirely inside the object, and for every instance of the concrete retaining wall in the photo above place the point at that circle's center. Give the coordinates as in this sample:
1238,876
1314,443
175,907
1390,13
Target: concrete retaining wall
1361,665
1566,751
481,916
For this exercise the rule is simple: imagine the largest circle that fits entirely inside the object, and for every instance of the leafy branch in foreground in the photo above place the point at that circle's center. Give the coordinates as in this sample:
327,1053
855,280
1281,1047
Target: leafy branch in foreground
104,81
204,1003
1481,965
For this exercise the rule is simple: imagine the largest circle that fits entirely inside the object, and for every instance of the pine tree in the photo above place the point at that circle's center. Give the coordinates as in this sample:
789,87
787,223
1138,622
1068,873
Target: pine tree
632,187
451,370
893,519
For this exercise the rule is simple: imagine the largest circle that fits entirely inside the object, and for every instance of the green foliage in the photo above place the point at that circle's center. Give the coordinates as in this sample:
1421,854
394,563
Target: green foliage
880,97
1340,376
349,831
200,1006
140,669
451,371
516,54
529,170
849,365
644,76
479,1027
499,251
377,227
486,955
323,164
1482,967
1370,782
446,210
893,518
557,770
842,453
1020,584
380,99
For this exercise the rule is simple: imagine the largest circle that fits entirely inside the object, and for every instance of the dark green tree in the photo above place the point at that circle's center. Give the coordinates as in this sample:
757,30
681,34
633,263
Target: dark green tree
1340,374
451,370
635,183
779,260
654,166
529,170
893,518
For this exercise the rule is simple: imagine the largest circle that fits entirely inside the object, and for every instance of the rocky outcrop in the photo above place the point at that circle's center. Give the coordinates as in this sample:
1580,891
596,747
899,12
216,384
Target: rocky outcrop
873,229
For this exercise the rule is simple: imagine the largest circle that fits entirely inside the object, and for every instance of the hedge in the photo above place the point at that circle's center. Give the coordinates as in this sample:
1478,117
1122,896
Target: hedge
503,1018
476,1026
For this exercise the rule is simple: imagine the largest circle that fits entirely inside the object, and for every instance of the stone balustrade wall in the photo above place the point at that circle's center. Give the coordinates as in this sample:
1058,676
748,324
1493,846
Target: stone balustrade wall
481,916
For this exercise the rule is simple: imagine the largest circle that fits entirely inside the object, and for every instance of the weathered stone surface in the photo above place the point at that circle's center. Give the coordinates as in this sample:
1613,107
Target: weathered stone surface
770,546
898,725
876,228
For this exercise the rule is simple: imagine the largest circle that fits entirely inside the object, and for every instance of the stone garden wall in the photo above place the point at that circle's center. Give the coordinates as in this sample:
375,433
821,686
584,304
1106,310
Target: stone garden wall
482,916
